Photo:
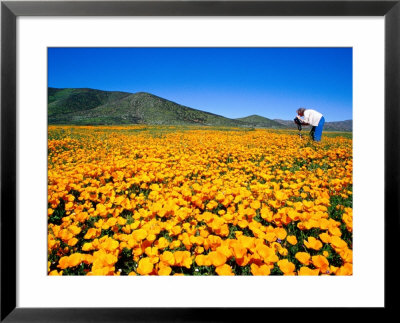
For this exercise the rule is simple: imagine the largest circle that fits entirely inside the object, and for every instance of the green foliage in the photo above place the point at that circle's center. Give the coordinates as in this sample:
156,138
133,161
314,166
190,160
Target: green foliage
53,258
80,270
58,214
136,189
165,234
334,134
237,269
203,271
125,262
276,270
127,214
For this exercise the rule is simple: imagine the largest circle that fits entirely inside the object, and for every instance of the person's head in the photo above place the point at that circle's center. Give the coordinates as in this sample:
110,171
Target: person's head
300,112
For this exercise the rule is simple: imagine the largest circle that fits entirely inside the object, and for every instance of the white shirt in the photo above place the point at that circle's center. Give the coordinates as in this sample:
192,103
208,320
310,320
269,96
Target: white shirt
312,117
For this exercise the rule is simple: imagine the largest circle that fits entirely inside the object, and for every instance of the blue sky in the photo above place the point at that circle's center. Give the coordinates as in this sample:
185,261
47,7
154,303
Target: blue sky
233,82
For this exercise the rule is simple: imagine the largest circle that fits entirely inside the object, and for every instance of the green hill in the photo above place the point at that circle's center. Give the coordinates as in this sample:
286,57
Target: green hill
63,101
261,122
93,107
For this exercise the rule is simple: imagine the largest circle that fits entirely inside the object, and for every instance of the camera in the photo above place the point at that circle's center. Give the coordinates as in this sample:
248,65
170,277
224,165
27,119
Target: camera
297,121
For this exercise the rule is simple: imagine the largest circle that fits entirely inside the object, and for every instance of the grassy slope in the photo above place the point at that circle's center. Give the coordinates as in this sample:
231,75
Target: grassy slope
137,108
95,107
261,122
64,101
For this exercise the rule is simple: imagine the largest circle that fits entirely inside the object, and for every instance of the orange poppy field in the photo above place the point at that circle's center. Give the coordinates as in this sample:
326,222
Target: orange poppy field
164,200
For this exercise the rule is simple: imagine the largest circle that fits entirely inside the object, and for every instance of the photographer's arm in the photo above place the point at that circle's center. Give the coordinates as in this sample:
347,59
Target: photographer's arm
302,121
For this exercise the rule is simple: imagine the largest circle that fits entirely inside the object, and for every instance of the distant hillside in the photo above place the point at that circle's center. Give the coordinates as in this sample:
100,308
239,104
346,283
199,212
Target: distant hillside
95,107
84,107
63,101
261,122
346,125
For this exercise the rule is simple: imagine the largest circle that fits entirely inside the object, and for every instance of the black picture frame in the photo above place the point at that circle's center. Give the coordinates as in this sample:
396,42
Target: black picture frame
10,10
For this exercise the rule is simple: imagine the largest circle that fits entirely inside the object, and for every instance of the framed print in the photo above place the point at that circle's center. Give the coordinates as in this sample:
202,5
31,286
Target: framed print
151,168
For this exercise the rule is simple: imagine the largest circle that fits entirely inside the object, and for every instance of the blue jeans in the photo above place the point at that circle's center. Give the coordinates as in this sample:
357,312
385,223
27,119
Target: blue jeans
316,132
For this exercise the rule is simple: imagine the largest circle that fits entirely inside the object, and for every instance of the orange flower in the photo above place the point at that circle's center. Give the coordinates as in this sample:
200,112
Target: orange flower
262,270
139,234
225,250
286,267
326,238
72,242
87,246
75,259
55,273
164,271
283,251
238,251
162,243
338,243
280,233
203,260
217,258
266,253
303,257
66,235
174,244
292,240
270,237
313,243
224,270
255,205
320,262
345,270
74,229
305,271
335,231
280,195
168,258
101,210
183,258
145,266
212,205
63,262
91,233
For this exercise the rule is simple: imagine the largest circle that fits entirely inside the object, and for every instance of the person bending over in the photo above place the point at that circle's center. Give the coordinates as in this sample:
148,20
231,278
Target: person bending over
313,118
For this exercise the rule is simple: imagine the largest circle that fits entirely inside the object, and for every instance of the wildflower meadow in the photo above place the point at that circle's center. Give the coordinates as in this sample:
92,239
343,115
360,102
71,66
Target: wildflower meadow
164,200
